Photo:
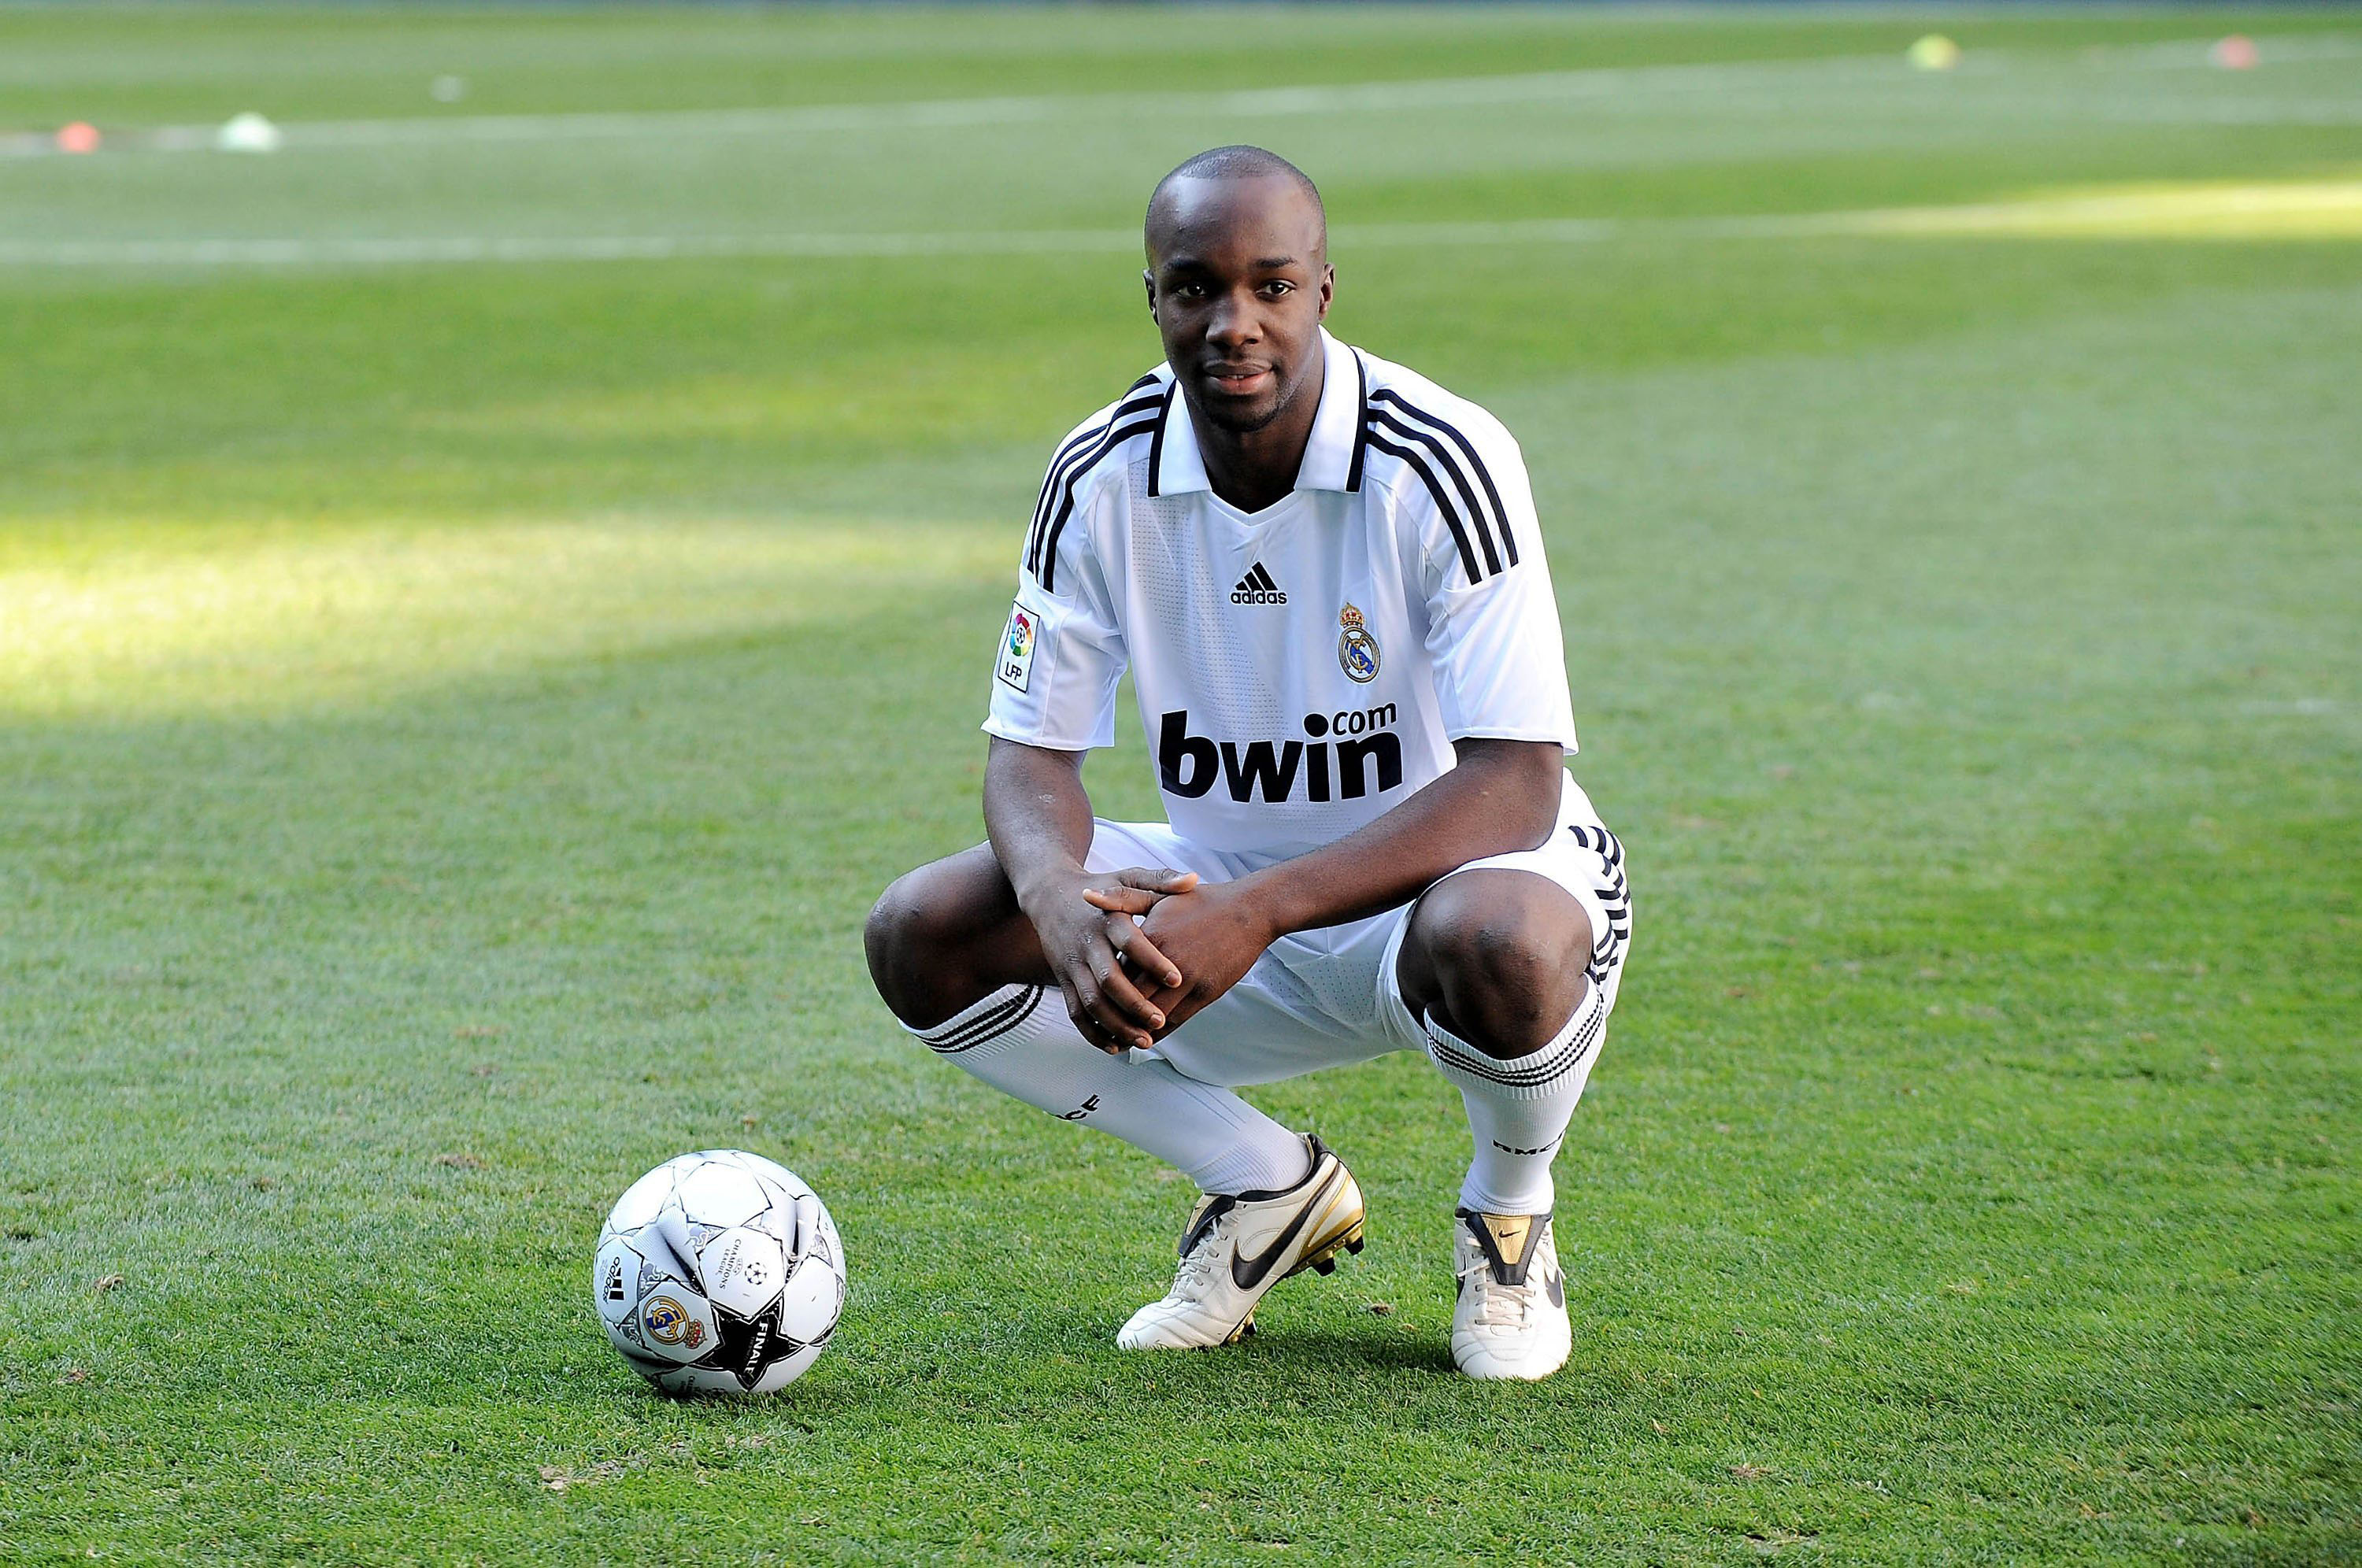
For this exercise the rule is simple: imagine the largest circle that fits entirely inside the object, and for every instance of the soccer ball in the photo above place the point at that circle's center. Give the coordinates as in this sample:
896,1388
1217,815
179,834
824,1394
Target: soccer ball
719,1273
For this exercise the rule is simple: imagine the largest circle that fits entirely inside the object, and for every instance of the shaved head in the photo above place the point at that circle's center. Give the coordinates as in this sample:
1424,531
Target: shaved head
1235,162
1239,282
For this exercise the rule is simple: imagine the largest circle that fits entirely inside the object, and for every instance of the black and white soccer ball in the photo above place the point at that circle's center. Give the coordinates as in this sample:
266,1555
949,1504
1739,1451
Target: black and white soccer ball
719,1273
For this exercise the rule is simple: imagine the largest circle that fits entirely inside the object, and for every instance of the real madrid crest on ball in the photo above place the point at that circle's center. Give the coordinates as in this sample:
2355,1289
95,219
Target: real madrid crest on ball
1357,651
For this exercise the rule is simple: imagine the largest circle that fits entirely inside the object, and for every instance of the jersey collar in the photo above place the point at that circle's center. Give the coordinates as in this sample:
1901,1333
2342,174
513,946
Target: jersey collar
1332,459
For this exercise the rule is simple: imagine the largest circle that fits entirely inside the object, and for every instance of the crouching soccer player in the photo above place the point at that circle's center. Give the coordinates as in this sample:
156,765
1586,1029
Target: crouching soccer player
1325,575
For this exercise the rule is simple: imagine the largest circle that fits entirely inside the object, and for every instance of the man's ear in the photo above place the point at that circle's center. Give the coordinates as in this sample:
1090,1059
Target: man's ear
1148,282
1328,288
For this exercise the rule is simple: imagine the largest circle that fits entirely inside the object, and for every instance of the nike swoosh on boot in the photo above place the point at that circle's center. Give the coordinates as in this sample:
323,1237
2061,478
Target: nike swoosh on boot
1246,1272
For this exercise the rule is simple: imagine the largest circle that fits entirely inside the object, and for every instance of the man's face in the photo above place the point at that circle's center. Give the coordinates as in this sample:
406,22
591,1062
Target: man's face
1238,282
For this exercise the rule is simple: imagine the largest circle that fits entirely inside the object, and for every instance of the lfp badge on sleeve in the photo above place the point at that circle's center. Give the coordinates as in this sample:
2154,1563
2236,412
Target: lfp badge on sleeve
1017,648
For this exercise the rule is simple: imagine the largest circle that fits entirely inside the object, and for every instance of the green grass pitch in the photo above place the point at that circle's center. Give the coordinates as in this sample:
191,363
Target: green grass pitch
453,715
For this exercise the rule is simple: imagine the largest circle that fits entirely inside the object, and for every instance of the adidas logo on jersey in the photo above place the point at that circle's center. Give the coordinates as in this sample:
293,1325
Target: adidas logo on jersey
1257,587
1349,750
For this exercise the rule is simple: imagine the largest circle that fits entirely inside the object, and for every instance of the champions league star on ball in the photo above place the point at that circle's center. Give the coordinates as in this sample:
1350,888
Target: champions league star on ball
1325,576
719,1273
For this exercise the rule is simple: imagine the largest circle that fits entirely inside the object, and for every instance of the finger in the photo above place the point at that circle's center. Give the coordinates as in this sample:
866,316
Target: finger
1157,879
1172,1020
1122,900
1193,1000
1079,1013
1120,1003
1131,942
1115,1032
1187,1006
1139,887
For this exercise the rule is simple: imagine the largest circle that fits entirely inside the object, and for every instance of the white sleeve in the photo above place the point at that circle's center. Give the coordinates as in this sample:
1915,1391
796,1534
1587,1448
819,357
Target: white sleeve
1492,632
1062,651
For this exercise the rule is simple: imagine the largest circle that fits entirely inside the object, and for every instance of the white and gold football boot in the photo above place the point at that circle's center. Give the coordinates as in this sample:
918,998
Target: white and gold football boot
1509,1320
1236,1246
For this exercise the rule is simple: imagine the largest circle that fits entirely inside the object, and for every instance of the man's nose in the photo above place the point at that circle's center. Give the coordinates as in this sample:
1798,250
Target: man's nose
1232,322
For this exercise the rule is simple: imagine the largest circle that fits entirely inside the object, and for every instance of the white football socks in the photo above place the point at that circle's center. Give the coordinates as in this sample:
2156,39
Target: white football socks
1021,1041
1518,1108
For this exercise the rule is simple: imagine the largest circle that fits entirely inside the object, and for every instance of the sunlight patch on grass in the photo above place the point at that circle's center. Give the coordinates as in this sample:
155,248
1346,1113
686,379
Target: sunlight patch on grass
2326,209
277,621
892,402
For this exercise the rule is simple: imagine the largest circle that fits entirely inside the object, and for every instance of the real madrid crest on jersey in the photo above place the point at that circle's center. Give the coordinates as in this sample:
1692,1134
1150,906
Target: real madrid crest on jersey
1357,651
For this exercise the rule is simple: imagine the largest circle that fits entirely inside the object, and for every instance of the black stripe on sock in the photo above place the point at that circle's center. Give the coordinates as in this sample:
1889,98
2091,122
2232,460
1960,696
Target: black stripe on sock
1492,1070
984,1024
996,1022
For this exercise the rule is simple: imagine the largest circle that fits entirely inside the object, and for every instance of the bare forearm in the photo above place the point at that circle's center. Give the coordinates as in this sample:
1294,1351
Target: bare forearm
1503,797
1037,814
1039,819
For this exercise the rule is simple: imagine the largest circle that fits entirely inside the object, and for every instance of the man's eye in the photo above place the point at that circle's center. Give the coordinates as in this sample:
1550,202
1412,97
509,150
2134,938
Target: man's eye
1279,286
1190,291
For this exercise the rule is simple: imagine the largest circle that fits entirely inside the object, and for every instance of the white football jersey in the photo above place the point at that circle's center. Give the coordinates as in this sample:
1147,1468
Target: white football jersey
1303,669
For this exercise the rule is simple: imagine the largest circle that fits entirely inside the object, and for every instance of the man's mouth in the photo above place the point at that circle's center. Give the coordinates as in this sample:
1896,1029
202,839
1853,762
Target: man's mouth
1239,381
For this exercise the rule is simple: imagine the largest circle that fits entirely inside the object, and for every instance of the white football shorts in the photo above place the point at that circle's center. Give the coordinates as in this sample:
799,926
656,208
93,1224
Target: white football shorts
1322,999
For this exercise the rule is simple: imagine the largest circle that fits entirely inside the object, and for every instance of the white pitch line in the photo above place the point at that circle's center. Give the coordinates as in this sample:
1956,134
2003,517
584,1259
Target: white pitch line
2128,208
397,251
2270,114
2197,54
459,249
1448,92
886,245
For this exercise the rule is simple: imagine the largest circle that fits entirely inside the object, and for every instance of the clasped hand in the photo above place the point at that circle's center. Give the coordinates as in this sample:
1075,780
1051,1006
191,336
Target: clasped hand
1149,947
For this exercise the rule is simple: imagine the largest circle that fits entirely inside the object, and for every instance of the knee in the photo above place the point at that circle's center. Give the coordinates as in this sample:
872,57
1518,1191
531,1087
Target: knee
936,938
1507,960
897,937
